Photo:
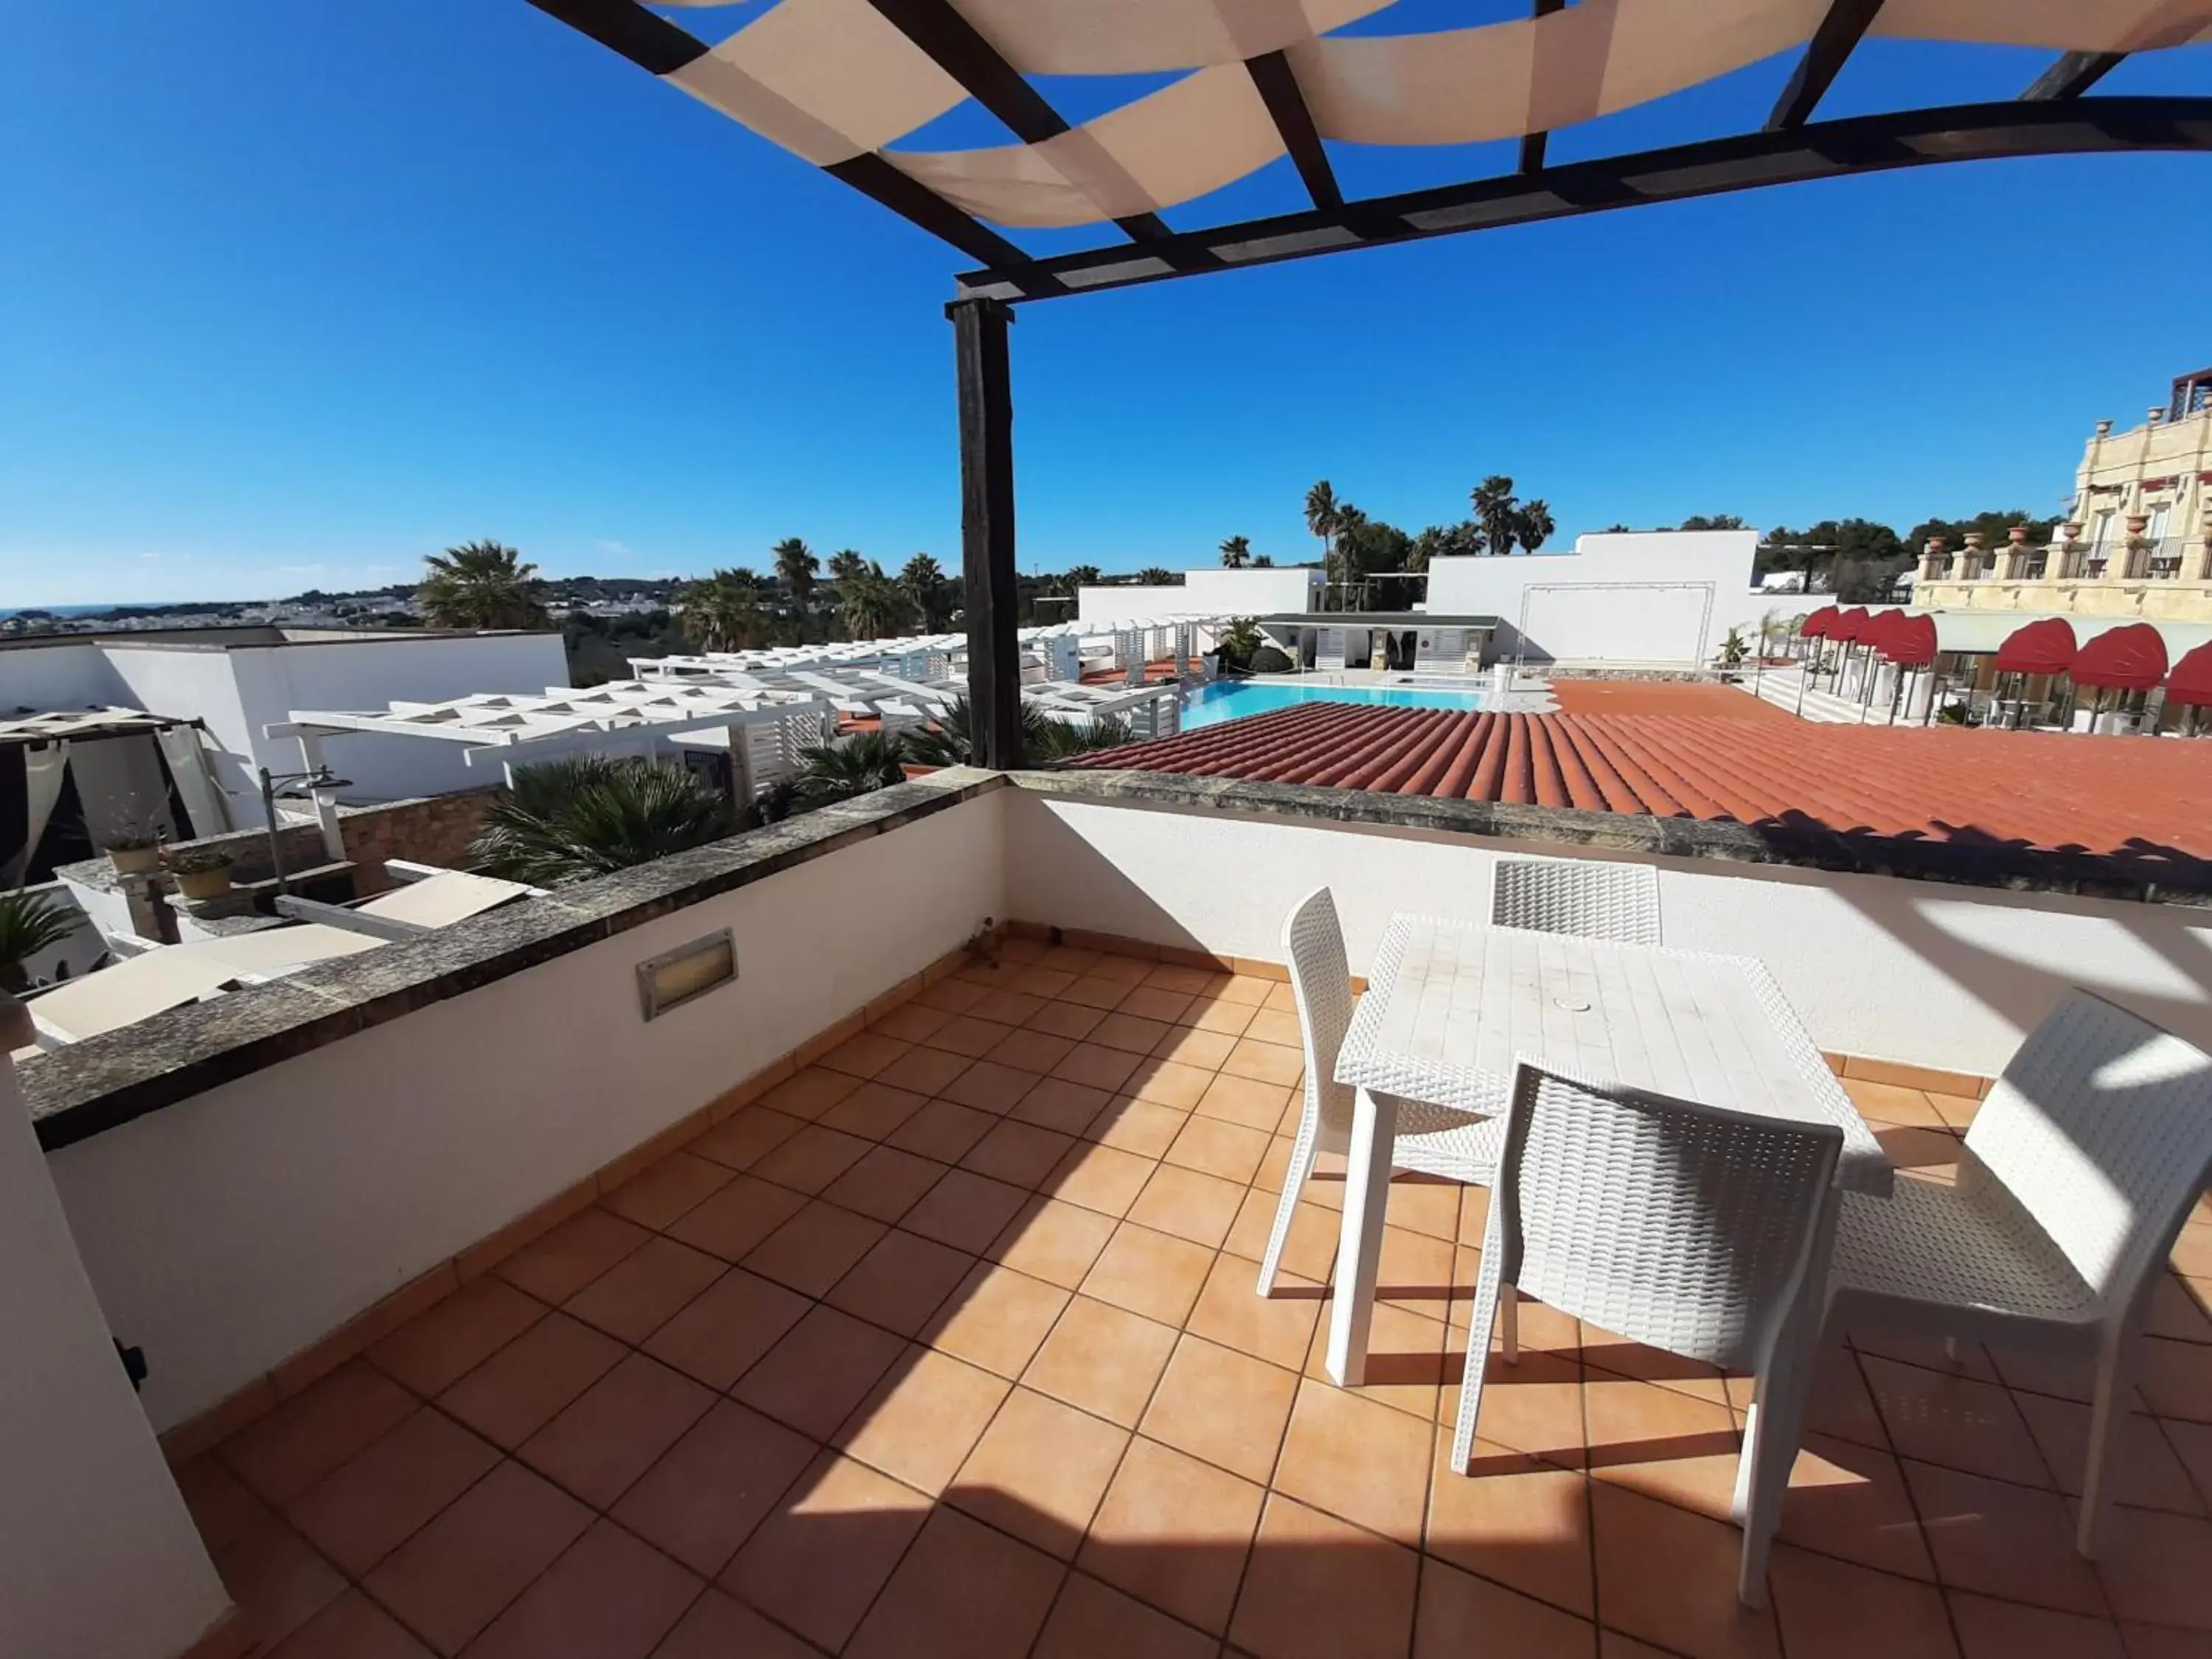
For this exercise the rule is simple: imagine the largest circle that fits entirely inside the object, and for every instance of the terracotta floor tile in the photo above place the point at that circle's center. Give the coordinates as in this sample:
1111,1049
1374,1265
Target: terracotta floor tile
1201,1050
943,1131
351,1627
996,1318
1039,1472
886,1184
1097,1065
719,1626
1028,1049
1462,1614
1612,1644
989,1086
965,1210
923,1419
434,1349
1830,1609
276,1581
558,1266
810,1093
609,1596
714,1485
1128,1032
2192,1443
458,1574
1668,1577
2005,1630
812,1159
1849,1501
661,1194
1052,1241
1357,1460
1070,958
1011,1006
1169,1082
1661,1443
873,1111
1020,1154
1099,1178
865,1054
315,1430
1279,996
1222,1405
1214,1148
222,1507
964,1034
1221,1018
963,1592
2177,1311
911,1022
1251,989
2000,1540
815,1249
1091,1620
1248,1101
726,1327
527,1384
616,1430
1058,1105
819,1371
1155,1274
364,1510
1102,1360
1420,1204
901,1282
1198,1207
2143,1469
1267,1062
747,1135
828,1546
1277,1328
1174,1532
1066,1019
2176,1379
1888,1102
1096,991
1155,1003
1515,1521
1277,1026
2154,1568
1127,971
926,1071
1840,1404
1141,1128
1308,1251
2063,1376
1954,1421
1533,1407
2192,1250
1320,1589
639,1294
952,996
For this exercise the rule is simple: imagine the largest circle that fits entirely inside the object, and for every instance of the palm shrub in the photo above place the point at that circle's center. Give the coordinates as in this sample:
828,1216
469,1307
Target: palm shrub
1044,739
30,923
568,820
839,771
1240,642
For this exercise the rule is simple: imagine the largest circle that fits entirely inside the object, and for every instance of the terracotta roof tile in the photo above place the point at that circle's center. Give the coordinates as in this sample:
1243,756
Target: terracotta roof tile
2133,797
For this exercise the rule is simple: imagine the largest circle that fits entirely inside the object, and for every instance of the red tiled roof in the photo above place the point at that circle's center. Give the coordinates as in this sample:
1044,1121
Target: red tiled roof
2044,790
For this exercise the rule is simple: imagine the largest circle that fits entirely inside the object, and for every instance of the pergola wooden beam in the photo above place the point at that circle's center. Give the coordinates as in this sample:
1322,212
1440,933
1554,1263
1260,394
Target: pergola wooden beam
1532,144
2071,75
1286,104
1825,55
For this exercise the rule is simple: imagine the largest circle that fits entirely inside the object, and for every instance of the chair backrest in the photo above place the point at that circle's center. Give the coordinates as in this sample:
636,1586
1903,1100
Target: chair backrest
1321,981
2101,1129
1577,896
1687,1226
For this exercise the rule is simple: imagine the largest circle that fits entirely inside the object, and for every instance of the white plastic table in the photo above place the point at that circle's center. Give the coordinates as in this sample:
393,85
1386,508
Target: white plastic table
1450,1006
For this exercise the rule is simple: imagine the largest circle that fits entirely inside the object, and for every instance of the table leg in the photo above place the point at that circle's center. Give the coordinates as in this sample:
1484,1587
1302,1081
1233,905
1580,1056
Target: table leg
1359,1236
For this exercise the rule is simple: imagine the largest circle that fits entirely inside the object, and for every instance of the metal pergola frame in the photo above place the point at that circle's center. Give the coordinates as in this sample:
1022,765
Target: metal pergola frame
2049,118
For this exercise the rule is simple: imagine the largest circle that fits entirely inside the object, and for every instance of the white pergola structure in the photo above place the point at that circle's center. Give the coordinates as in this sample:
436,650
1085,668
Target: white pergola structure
766,728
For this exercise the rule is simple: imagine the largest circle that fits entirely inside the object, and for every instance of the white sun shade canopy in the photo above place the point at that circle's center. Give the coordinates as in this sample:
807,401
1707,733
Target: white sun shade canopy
833,81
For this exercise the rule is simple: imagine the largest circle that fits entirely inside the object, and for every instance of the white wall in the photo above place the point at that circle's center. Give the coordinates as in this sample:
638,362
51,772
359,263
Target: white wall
198,682
46,679
1914,971
1213,592
229,1232
100,1556
1663,598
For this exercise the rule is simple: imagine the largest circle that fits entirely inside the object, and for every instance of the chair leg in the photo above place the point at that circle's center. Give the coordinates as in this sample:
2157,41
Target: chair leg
2108,1415
1303,1153
1487,1294
1772,1429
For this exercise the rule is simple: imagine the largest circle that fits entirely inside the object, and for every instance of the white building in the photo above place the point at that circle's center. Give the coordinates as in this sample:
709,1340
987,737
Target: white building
1659,599
1211,592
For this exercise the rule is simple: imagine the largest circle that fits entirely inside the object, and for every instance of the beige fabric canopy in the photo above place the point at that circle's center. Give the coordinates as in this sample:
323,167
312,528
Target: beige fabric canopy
833,81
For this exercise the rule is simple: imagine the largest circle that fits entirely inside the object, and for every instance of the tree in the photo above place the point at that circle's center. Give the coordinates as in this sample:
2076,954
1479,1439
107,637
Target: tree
568,820
1239,641
871,605
1713,521
845,564
922,581
1324,515
838,771
1236,552
1505,520
1733,651
796,567
1534,525
30,923
481,585
1154,575
1262,561
1079,576
1445,541
724,612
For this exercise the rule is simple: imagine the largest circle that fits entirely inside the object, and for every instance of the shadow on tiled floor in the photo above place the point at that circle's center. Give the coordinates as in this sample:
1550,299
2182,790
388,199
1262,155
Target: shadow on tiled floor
949,1346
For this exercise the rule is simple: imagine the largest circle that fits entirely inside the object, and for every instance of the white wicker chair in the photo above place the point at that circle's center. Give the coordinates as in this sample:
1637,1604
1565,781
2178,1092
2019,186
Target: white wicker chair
1577,896
1430,1140
1701,1231
2076,1174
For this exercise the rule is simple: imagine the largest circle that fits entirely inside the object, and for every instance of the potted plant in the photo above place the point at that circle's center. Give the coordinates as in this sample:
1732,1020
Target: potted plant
29,923
202,873
135,852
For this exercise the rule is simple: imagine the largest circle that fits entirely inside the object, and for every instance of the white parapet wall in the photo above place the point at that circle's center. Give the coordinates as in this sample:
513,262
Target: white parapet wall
1204,593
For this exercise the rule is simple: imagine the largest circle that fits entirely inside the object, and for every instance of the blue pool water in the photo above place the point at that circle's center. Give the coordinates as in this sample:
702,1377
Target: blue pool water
1233,700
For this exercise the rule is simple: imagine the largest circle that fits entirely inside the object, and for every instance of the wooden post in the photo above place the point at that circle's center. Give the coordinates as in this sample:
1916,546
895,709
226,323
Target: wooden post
987,529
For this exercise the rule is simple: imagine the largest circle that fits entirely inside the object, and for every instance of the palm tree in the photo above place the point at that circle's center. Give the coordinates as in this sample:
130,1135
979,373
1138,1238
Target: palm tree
723,613
481,585
568,820
1155,575
1535,524
949,742
862,763
1079,576
1262,561
872,604
1239,641
30,923
1236,552
845,564
922,580
1494,510
796,567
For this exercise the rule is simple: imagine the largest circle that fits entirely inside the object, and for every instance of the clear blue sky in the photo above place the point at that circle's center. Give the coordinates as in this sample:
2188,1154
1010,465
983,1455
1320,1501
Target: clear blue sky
291,294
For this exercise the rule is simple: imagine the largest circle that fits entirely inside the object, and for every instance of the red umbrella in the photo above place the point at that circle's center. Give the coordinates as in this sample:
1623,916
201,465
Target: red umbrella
1850,624
1816,624
1908,640
2040,647
2191,679
2130,659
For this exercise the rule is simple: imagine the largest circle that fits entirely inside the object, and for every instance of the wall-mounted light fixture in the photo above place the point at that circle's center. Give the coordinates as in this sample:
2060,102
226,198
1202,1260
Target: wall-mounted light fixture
674,977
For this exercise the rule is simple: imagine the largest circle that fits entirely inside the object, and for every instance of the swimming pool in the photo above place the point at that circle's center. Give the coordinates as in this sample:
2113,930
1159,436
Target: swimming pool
1233,700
